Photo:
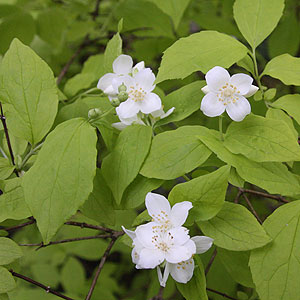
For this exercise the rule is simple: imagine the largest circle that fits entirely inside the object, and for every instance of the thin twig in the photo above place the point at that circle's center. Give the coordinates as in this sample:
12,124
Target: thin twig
46,288
238,195
159,296
213,256
265,195
3,120
221,294
19,226
252,209
101,264
95,13
42,245
90,226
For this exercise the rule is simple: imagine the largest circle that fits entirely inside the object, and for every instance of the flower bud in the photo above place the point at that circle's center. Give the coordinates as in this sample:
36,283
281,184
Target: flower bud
94,113
123,96
115,102
122,88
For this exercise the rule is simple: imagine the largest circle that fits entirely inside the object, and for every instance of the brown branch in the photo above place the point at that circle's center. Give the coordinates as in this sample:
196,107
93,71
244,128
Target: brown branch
221,294
159,296
95,13
42,245
213,256
102,262
252,209
3,120
237,198
85,225
265,195
19,226
46,288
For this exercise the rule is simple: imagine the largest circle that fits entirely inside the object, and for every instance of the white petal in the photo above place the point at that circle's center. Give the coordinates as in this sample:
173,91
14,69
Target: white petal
122,65
205,89
216,78
130,233
105,81
127,109
161,114
242,82
160,277
150,103
150,258
239,110
145,78
163,279
180,253
179,235
124,79
135,256
110,91
252,91
168,113
211,106
182,272
145,233
119,125
138,67
157,205
203,243
180,212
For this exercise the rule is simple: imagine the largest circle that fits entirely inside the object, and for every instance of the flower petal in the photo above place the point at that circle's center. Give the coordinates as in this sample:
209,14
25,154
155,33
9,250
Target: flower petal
119,125
211,106
242,82
205,89
163,278
122,65
127,109
216,78
122,79
239,110
105,81
203,243
145,233
150,258
252,91
145,79
138,67
180,212
179,235
130,233
150,103
157,205
182,272
181,253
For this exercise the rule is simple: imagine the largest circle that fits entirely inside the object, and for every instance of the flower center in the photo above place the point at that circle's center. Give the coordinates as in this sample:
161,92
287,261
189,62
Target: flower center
228,93
162,241
137,93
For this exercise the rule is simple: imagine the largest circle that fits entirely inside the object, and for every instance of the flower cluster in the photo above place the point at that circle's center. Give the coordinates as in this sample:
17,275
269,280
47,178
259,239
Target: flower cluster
130,89
227,93
165,242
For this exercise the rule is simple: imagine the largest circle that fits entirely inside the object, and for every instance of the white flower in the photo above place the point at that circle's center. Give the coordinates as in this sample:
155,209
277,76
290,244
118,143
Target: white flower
140,96
122,67
227,93
160,114
136,119
182,272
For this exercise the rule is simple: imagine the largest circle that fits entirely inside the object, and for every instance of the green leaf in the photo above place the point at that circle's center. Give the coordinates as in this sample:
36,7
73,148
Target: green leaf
6,168
30,90
136,192
174,8
51,25
289,103
235,228
123,164
247,64
256,19
207,193
174,153
9,251
145,17
7,282
235,179
279,114
195,289
236,263
112,51
77,83
12,201
4,297
271,176
285,68
73,276
17,25
55,189
276,267
100,204
186,101
262,139
199,52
